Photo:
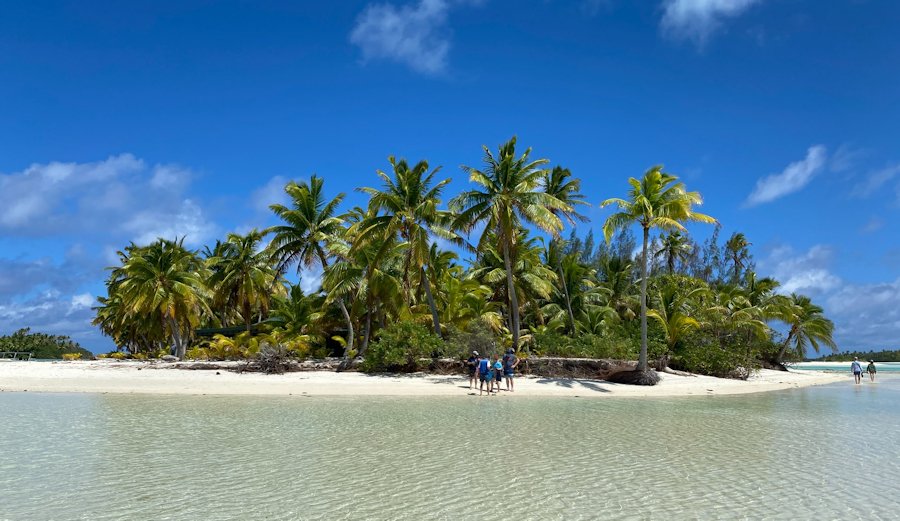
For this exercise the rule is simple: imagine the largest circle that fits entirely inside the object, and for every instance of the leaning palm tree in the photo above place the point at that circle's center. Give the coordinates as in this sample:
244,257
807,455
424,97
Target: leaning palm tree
560,184
508,196
310,226
808,328
658,200
407,207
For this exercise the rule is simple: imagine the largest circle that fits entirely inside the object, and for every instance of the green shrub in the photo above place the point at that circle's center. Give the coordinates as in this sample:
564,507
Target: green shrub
400,346
477,336
585,346
71,356
196,353
702,355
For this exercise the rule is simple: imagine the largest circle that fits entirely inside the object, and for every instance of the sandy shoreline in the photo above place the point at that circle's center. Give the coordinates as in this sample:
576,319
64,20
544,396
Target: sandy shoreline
155,378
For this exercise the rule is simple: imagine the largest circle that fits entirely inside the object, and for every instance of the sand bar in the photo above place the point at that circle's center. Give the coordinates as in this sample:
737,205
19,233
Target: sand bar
159,378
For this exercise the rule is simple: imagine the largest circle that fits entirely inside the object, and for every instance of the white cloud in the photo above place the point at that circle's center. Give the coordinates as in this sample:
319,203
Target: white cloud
866,316
793,178
697,20
806,273
413,34
875,180
270,193
120,198
311,279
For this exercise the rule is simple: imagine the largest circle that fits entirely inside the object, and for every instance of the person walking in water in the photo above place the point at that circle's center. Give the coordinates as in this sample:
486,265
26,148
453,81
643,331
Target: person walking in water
510,361
856,369
871,370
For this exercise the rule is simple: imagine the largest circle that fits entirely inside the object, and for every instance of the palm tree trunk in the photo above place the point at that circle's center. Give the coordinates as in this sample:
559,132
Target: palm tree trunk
434,312
565,286
784,348
513,299
340,301
176,338
642,359
366,334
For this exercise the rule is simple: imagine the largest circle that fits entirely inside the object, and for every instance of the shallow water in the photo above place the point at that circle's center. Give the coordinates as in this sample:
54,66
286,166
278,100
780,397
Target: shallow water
825,453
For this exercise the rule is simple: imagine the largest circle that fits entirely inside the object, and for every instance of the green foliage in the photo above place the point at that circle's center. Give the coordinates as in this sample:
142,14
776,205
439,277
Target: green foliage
702,355
71,356
400,347
478,335
42,345
613,346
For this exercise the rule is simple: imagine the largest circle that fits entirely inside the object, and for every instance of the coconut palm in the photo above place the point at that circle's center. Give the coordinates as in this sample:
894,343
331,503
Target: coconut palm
509,195
737,249
407,207
310,227
164,280
808,328
673,312
658,200
243,277
675,247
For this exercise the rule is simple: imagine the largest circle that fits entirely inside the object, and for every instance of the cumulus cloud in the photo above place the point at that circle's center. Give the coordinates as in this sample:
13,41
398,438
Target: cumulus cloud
414,34
698,20
866,316
792,179
120,197
806,272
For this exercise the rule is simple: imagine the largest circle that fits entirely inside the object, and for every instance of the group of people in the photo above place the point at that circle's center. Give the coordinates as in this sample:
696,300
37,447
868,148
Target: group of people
489,371
856,369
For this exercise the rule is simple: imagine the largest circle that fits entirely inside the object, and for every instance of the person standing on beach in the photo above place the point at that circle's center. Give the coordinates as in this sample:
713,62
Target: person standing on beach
484,373
472,366
498,372
510,361
856,369
871,370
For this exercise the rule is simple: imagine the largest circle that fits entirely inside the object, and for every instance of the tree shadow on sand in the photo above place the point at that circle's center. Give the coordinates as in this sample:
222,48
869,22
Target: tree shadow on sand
571,383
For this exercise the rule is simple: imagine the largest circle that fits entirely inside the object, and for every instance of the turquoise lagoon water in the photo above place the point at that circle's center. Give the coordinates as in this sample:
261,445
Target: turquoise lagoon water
880,367
817,453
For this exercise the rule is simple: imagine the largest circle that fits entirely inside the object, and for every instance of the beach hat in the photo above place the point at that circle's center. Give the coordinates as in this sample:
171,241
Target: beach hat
511,351
873,361
475,353
856,358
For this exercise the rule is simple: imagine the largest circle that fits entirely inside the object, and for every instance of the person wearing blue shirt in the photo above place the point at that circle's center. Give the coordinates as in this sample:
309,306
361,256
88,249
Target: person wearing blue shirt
856,369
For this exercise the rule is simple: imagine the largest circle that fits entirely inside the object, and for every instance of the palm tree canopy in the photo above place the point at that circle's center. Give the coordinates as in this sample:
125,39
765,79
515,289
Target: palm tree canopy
657,200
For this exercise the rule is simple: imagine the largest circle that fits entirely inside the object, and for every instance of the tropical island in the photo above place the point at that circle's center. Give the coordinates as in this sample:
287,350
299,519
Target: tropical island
419,276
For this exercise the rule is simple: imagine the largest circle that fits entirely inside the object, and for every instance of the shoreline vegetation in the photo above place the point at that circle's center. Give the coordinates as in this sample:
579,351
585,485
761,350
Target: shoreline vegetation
224,378
417,274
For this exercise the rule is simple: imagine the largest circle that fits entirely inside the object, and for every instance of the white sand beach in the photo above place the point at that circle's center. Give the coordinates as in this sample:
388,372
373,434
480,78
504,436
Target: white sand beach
129,377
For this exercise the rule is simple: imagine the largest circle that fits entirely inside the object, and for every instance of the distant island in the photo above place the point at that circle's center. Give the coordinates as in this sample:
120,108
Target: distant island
885,355
43,346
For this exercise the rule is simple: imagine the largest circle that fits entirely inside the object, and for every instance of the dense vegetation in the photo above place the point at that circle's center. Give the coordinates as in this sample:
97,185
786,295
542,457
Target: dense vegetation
42,345
884,355
394,287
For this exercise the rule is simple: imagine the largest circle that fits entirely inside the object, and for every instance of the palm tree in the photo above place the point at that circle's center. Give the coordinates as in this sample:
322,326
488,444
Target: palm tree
243,276
738,252
309,230
658,200
165,280
808,327
410,205
675,247
508,196
672,311
560,184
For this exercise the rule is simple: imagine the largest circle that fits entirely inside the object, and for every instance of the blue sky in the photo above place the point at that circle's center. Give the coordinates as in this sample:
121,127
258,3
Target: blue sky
123,121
